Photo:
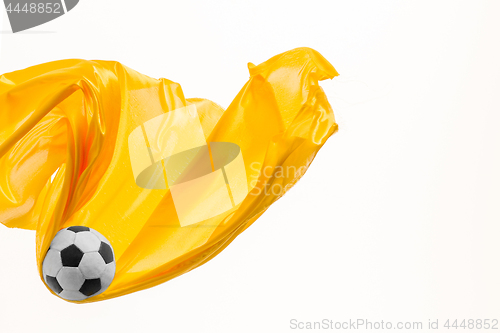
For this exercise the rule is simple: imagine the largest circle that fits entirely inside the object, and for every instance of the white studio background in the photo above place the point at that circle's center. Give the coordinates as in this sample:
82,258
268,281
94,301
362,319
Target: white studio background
397,219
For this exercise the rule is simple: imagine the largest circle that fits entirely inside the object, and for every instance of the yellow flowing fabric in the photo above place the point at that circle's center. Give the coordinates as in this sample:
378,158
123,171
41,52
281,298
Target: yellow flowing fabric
103,129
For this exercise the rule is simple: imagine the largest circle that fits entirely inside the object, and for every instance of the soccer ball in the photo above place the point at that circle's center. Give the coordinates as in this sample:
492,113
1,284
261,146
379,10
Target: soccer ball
79,264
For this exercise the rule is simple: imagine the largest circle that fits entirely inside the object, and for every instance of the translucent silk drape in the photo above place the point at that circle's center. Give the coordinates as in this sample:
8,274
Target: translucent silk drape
169,180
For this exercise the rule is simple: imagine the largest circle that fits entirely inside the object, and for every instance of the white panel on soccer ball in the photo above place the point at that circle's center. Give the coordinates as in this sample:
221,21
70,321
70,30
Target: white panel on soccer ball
87,241
107,276
101,237
70,278
92,265
52,263
62,240
72,295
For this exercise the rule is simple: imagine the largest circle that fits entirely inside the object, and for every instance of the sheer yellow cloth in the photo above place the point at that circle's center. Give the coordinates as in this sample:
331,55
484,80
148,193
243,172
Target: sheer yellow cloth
169,181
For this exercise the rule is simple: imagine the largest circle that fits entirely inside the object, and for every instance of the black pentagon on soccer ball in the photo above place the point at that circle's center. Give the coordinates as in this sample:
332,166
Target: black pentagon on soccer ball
78,228
71,256
53,284
106,252
90,287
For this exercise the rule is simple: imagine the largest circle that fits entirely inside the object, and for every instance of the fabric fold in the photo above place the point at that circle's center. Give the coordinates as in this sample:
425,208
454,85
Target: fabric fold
169,181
